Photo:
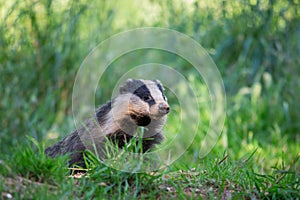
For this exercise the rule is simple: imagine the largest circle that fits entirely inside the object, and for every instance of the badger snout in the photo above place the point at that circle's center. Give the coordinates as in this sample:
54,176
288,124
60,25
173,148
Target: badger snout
163,108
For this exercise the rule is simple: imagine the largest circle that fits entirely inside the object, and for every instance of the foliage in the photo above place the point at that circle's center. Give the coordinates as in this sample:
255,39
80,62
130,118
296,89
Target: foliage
255,44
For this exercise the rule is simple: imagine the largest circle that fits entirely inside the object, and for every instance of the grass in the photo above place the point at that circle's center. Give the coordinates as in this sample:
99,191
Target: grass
32,175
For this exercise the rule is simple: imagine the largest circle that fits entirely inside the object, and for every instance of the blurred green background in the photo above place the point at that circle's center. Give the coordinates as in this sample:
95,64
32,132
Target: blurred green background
255,44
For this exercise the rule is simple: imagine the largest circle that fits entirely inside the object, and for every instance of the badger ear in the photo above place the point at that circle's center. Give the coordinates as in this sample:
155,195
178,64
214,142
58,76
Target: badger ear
127,86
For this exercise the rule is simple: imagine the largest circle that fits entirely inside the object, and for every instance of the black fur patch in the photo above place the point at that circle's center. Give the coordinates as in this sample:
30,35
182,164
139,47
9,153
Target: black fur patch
141,120
144,93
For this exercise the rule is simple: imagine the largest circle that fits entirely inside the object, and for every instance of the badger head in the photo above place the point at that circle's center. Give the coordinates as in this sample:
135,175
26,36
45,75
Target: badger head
146,101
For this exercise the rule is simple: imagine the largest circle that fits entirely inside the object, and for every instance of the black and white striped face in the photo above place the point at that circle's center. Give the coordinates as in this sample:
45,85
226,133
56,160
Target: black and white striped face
147,100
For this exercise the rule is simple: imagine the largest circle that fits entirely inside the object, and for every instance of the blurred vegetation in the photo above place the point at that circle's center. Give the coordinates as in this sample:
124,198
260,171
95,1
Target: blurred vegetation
255,44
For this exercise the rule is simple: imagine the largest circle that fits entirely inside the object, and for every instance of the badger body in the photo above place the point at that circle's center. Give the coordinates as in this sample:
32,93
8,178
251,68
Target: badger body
139,103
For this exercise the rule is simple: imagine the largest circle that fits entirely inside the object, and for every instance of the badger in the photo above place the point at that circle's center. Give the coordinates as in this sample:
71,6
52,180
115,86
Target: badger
139,103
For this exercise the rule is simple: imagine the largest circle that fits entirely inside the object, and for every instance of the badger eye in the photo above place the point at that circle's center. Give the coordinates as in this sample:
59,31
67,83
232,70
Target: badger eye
147,98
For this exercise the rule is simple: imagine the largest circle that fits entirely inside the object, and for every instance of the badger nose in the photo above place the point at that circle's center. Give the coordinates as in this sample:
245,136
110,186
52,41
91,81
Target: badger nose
164,108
